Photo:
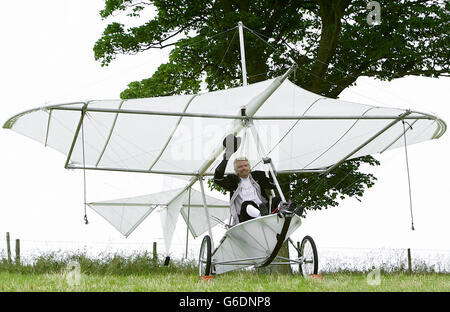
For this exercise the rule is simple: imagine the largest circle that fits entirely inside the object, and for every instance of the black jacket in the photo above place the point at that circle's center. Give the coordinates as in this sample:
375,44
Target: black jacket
230,181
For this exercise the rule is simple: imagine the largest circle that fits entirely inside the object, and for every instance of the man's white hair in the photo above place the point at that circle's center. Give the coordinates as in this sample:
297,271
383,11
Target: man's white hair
238,159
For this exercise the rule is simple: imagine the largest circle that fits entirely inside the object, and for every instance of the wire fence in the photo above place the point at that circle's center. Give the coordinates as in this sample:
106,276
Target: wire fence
31,249
386,259
331,259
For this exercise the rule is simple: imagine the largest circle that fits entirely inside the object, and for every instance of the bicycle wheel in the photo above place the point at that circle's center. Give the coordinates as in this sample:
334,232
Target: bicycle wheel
308,251
204,260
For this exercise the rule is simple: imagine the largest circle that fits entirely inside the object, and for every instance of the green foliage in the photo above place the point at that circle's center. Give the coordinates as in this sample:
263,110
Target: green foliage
334,43
316,191
214,186
103,264
232,282
169,79
115,272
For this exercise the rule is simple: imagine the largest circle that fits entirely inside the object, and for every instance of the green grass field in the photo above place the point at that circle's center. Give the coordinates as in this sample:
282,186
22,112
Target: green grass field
55,272
233,282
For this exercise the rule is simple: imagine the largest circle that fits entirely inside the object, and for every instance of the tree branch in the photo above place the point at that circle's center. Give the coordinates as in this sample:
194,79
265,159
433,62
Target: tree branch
330,15
425,72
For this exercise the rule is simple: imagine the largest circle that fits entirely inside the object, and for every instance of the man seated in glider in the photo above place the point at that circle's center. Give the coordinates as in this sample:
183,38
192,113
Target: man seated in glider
247,189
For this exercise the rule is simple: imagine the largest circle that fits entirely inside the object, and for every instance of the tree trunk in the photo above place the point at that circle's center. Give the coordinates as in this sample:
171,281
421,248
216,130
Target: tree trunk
331,13
286,269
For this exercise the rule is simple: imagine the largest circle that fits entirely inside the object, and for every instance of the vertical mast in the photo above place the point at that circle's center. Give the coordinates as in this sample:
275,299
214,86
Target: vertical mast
241,43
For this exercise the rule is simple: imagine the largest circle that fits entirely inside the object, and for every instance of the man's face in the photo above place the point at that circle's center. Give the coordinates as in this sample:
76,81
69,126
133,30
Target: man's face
242,168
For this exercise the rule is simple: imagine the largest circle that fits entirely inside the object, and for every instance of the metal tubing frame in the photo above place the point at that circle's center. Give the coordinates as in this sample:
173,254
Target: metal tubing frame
187,225
262,151
233,262
139,222
399,118
403,133
94,204
109,135
134,170
48,127
205,206
242,48
299,260
210,206
75,136
173,132
193,174
148,205
218,116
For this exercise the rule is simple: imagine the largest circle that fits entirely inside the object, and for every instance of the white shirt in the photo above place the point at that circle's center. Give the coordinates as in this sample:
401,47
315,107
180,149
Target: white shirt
248,191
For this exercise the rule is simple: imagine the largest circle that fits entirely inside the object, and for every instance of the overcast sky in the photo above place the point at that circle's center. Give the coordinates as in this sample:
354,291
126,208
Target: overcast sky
47,57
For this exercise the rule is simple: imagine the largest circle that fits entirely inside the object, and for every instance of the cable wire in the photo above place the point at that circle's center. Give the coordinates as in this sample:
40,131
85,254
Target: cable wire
409,179
84,171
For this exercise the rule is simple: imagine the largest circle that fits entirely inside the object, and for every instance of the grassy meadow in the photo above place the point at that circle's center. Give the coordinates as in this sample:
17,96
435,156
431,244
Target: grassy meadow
139,273
233,282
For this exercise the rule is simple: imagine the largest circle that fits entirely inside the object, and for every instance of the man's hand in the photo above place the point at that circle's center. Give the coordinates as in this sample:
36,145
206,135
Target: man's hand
231,144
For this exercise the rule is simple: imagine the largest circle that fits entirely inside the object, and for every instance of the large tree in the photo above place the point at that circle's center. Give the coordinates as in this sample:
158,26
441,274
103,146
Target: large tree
332,42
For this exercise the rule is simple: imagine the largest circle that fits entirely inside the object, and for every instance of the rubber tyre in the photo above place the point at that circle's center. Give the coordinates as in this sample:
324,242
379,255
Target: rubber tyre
309,247
204,259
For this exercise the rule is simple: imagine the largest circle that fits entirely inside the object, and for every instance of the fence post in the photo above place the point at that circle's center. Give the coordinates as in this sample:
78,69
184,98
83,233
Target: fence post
167,261
409,261
155,255
17,251
8,247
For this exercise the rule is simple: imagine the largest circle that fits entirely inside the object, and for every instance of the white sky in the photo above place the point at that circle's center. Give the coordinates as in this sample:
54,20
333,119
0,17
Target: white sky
47,57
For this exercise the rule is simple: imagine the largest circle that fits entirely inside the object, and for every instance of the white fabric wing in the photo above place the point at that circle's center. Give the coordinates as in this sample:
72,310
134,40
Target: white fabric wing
126,135
127,214
125,218
194,214
169,217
